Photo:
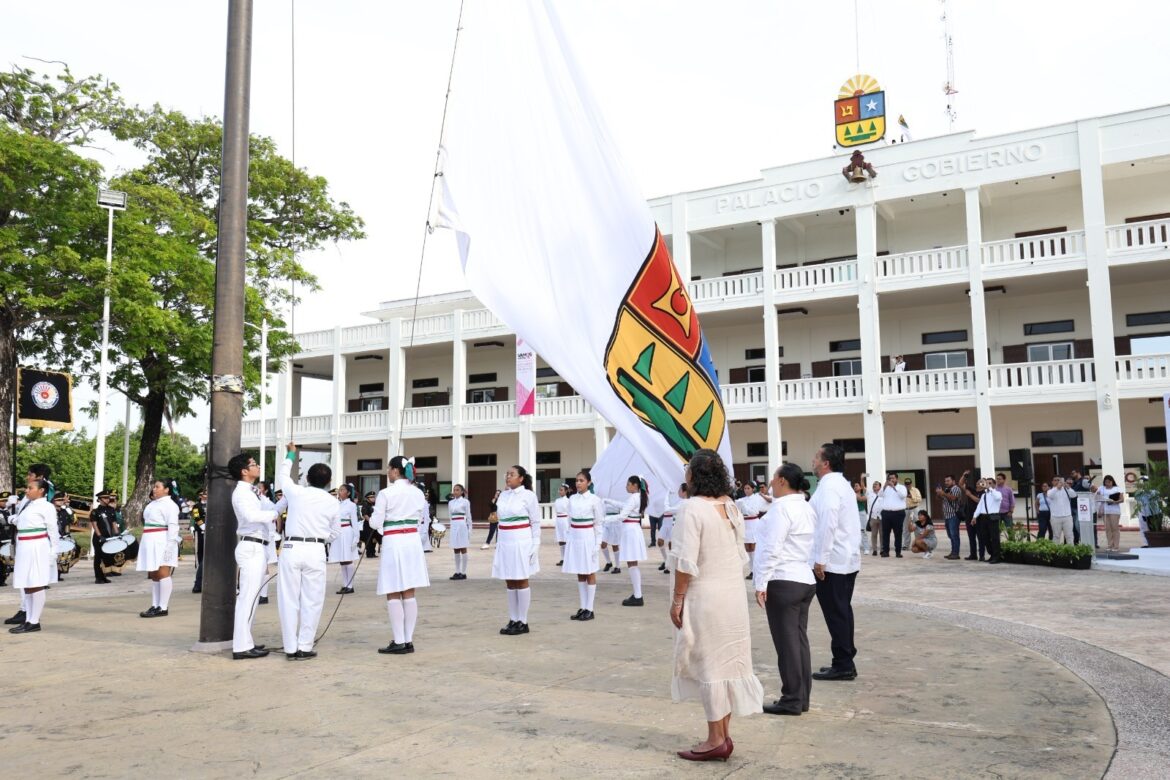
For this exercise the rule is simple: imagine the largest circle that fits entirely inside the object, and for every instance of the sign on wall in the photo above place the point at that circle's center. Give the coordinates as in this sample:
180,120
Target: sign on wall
860,111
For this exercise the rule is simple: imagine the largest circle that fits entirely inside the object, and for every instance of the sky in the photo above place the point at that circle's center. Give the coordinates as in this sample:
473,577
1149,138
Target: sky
696,93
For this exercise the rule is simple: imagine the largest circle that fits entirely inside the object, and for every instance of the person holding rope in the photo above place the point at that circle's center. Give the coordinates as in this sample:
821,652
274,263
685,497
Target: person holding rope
314,520
399,512
254,528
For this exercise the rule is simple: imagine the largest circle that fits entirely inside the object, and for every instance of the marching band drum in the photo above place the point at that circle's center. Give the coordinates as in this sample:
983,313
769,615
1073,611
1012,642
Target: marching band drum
68,553
117,551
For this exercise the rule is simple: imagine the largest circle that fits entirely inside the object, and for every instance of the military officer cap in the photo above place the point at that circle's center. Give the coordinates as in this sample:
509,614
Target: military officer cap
105,494
333,492
4,494
371,494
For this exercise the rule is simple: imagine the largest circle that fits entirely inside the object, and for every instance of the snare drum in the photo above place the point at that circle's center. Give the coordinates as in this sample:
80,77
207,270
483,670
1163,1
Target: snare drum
68,553
117,551
8,554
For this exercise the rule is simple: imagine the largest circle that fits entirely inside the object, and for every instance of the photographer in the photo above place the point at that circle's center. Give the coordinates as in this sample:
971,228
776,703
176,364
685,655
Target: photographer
893,514
1061,501
986,517
952,500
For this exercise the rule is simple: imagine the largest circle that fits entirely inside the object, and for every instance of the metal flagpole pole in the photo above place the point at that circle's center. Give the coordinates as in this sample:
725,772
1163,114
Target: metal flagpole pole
125,452
227,356
263,394
99,458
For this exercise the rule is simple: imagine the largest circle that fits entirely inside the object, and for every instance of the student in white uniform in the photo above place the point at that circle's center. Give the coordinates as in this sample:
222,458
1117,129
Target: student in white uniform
399,513
561,510
459,512
586,517
158,549
611,536
314,520
664,531
517,550
424,525
344,549
35,565
254,535
753,507
633,541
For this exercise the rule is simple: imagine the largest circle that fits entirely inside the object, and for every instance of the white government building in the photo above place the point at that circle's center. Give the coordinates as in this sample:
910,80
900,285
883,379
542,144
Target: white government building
1025,278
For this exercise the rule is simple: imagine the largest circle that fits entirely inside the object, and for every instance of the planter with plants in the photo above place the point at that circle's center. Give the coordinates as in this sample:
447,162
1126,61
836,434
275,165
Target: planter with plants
1045,552
1152,500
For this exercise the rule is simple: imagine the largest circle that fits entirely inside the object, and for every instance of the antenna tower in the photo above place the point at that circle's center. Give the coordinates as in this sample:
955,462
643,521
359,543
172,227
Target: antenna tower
949,87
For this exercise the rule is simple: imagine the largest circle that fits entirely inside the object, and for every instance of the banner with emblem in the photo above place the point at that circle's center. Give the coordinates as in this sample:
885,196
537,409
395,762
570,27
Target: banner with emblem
558,241
860,111
44,399
525,379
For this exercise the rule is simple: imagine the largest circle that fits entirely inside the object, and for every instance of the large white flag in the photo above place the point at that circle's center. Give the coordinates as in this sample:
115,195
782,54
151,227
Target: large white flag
558,242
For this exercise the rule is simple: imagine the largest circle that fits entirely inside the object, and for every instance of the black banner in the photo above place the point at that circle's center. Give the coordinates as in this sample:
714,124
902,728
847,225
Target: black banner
44,399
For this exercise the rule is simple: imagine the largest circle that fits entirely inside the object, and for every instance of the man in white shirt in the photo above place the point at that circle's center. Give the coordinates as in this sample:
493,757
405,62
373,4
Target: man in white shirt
836,557
986,516
893,498
1061,501
253,534
314,520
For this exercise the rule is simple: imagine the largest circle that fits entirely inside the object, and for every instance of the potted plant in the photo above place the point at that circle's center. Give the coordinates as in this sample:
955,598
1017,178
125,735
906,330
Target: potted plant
1045,552
1152,501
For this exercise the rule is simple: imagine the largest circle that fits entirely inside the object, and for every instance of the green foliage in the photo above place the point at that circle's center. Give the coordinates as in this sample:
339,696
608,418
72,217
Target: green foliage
60,108
1154,495
1048,550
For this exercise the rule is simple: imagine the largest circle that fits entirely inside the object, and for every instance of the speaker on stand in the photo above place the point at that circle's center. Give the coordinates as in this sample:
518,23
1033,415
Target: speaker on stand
1021,462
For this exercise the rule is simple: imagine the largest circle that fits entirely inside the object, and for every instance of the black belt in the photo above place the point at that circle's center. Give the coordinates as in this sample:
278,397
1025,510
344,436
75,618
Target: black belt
256,539
304,539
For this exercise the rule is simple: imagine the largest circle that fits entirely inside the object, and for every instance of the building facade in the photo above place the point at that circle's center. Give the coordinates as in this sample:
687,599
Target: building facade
1023,278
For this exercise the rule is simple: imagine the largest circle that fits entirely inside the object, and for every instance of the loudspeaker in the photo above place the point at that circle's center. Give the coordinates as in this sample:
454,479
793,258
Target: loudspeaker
1021,461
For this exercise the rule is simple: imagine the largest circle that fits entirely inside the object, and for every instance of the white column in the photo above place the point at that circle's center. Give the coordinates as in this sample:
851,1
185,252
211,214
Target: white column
458,396
771,346
984,441
336,451
600,435
459,459
395,389
1100,298
680,236
871,342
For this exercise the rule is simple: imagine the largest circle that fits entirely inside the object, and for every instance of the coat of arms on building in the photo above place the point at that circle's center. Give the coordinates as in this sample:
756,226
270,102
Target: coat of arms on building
860,111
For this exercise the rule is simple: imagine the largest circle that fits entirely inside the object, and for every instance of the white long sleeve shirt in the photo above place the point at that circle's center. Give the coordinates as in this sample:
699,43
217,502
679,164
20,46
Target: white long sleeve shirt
312,512
785,539
753,506
348,514
459,507
561,507
163,512
252,519
399,504
520,502
586,507
1060,501
893,498
837,543
989,503
671,506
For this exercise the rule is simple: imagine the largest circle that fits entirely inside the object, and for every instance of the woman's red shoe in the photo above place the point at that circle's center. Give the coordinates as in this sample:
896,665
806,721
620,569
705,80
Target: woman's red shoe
721,753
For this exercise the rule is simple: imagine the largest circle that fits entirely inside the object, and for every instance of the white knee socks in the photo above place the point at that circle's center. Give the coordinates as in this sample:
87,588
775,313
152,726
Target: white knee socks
154,590
264,587
636,580
513,605
590,592
460,563
347,572
523,599
397,620
583,593
24,603
608,557
165,587
662,552
36,603
410,617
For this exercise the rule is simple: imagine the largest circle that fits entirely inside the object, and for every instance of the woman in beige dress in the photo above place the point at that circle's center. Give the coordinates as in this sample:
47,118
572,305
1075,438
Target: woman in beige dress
713,646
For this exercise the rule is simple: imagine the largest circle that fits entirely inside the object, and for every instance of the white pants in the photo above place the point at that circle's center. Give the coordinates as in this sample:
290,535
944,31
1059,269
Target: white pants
301,593
1062,530
252,559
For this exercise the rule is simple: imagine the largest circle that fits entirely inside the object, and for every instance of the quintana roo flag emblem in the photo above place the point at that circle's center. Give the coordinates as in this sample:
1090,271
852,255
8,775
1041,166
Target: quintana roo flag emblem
658,363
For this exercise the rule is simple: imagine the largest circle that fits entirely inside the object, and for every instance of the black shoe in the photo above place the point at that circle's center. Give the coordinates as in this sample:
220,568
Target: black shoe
25,628
634,601
994,560
560,562
586,615
951,557
158,612
114,574
885,555
397,648
103,581
263,600
454,576
874,553
897,555
343,590
301,655
661,566
193,590
17,619
834,674
776,709
148,613
521,628
749,576
258,647
507,630
616,571
577,615
824,669
666,571
462,576
608,566
428,551
255,652
970,558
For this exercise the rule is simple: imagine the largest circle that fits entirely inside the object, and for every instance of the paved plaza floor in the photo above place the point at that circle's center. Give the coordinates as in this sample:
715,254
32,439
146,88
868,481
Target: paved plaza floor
966,670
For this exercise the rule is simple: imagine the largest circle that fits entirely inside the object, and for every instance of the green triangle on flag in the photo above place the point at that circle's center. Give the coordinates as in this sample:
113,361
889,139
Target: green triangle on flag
847,133
644,362
873,127
703,426
677,395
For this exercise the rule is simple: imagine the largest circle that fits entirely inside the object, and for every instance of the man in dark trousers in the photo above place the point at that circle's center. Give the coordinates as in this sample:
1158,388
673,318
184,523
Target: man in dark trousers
198,518
836,557
103,524
371,539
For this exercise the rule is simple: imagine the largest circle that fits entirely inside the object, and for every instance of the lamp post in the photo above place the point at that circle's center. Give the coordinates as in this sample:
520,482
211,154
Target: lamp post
111,201
263,389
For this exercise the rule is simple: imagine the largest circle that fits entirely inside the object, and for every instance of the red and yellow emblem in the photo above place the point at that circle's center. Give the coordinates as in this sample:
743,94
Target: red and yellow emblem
658,363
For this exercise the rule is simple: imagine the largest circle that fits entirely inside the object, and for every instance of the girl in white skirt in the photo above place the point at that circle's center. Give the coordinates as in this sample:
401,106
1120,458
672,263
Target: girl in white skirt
561,510
35,565
399,512
459,510
586,517
753,506
632,540
611,536
517,550
672,503
158,549
343,549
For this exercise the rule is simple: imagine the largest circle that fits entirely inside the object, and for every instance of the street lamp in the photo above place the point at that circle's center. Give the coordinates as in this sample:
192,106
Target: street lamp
111,201
263,388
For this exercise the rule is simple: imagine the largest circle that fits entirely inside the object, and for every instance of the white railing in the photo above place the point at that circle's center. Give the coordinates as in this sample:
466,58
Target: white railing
824,389
481,319
565,406
930,261
426,417
1034,249
1137,237
930,382
1144,369
743,394
1050,374
315,339
360,335
424,327
494,412
251,428
723,287
807,277
317,425
362,422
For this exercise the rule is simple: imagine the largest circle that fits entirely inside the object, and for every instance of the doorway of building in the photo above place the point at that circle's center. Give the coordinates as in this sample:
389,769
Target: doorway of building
938,466
1047,465
481,486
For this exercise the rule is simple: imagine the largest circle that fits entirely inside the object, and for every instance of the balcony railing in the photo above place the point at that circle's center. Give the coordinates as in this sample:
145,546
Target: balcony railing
489,413
315,340
1048,375
427,417
1034,249
721,288
564,406
916,264
365,422
1144,370
743,395
1137,237
941,381
360,335
834,389
427,327
251,429
481,319
810,277
317,425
